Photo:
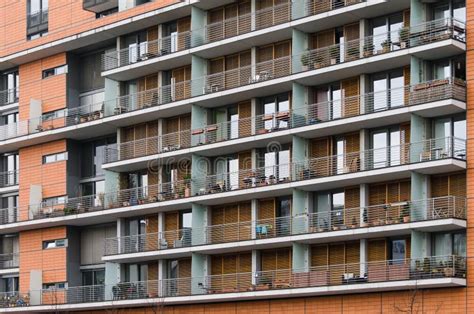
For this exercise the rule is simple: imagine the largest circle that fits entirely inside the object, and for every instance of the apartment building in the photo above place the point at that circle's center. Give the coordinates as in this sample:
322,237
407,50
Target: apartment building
236,156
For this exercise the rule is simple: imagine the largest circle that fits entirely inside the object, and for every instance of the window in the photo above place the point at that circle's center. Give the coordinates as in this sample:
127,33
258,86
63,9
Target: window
388,90
92,156
450,8
54,157
445,244
276,164
9,119
10,164
93,277
273,105
9,82
52,244
51,201
55,71
96,188
90,77
46,116
448,68
55,285
37,35
385,146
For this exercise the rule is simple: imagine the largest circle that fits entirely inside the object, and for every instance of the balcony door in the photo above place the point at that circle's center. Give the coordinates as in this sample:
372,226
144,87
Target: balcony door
386,148
388,90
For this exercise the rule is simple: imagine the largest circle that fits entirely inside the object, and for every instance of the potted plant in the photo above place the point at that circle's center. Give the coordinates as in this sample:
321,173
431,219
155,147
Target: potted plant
368,49
404,34
306,61
68,211
386,46
404,214
333,54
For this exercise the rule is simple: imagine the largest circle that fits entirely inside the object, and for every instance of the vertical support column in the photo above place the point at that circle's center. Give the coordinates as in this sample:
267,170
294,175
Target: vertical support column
418,13
298,9
420,244
253,108
36,110
364,203
198,121
111,93
120,235
112,278
419,132
199,224
363,32
363,257
36,284
299,47
255,266
300,257
253,61
198,75
300,219
254,217
36,197
253,10
417,74
198,173
363,90
299,105
199,271
419,191
198,26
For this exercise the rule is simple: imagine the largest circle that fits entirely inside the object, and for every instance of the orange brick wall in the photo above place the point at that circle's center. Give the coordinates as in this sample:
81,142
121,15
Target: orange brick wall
425,301
52,262
470,143
51,91
52,177
66,18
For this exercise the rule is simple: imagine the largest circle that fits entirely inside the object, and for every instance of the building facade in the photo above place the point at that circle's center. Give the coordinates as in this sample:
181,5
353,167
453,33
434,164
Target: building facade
236,156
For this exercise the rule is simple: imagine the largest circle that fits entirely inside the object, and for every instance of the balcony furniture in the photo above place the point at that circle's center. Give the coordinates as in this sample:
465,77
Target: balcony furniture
260,77
146,56
211,128
283,116
212,88
163,244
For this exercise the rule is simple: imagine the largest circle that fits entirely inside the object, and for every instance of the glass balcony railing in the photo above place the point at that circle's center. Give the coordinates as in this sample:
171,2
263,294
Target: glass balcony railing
348,107
325,221
433,267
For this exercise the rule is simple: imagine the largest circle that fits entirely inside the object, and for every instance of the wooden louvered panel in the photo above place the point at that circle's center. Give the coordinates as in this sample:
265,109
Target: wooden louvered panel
185,122
141,87
152,287
217,216
216,15
245,123
457,185
282,61
269,260
216,265
181,79
245,9
152,228
320,148
325,39
153,189
216,66
245,61
350,95
231,219
245,165
408,248
406,18
245,217
231,78
405,191
265,54
245,212
336,257
172,125
283,258
152,38
439,185
151,82
352,46
377,194
352,258
231,13
184,25
184,273
140,134
229,264
352,204
171,221
319,255
352,148
319,6
266,209
377,250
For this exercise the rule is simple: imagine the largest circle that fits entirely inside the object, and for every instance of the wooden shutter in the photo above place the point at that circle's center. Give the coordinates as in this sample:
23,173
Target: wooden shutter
245,262
171,221
269,260
266,209
245,122
408,248
319,255
405,144
407,83
350,95
352,258
406,18
377,250
282,61
265,53
283,258
457,185
352,46
245,217
216,265
184,268
320,148
245,167
439,186
184,25
352,204
325,38
152,38
336,257
405,191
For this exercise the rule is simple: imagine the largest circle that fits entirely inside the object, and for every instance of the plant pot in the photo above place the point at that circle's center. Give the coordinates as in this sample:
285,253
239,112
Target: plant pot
187,192
333,61
406,219
403,45
448,272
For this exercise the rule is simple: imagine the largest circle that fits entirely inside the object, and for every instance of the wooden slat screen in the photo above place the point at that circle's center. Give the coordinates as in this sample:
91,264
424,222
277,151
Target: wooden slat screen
350,93
319,255
406,18
245,163
352,202
245,114
266,209
377,250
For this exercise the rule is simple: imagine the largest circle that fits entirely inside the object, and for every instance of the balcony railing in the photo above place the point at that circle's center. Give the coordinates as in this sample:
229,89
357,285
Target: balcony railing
9,260
9,96
435,267
14,299
428,150
324,221
8,215
430,91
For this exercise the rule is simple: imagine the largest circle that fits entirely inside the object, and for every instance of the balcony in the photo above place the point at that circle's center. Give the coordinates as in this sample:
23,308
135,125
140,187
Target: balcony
9,260
228,28
13,299
394,215
9,96
431,156
436,271
9,178
314,116
37,22
98,6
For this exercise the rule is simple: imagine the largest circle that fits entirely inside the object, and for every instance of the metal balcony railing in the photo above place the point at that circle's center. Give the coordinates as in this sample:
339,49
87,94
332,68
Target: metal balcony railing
9,260
433,267
14,299
428,150
9,178
9,215
426,33
324,221
430,91
9,96
227,28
